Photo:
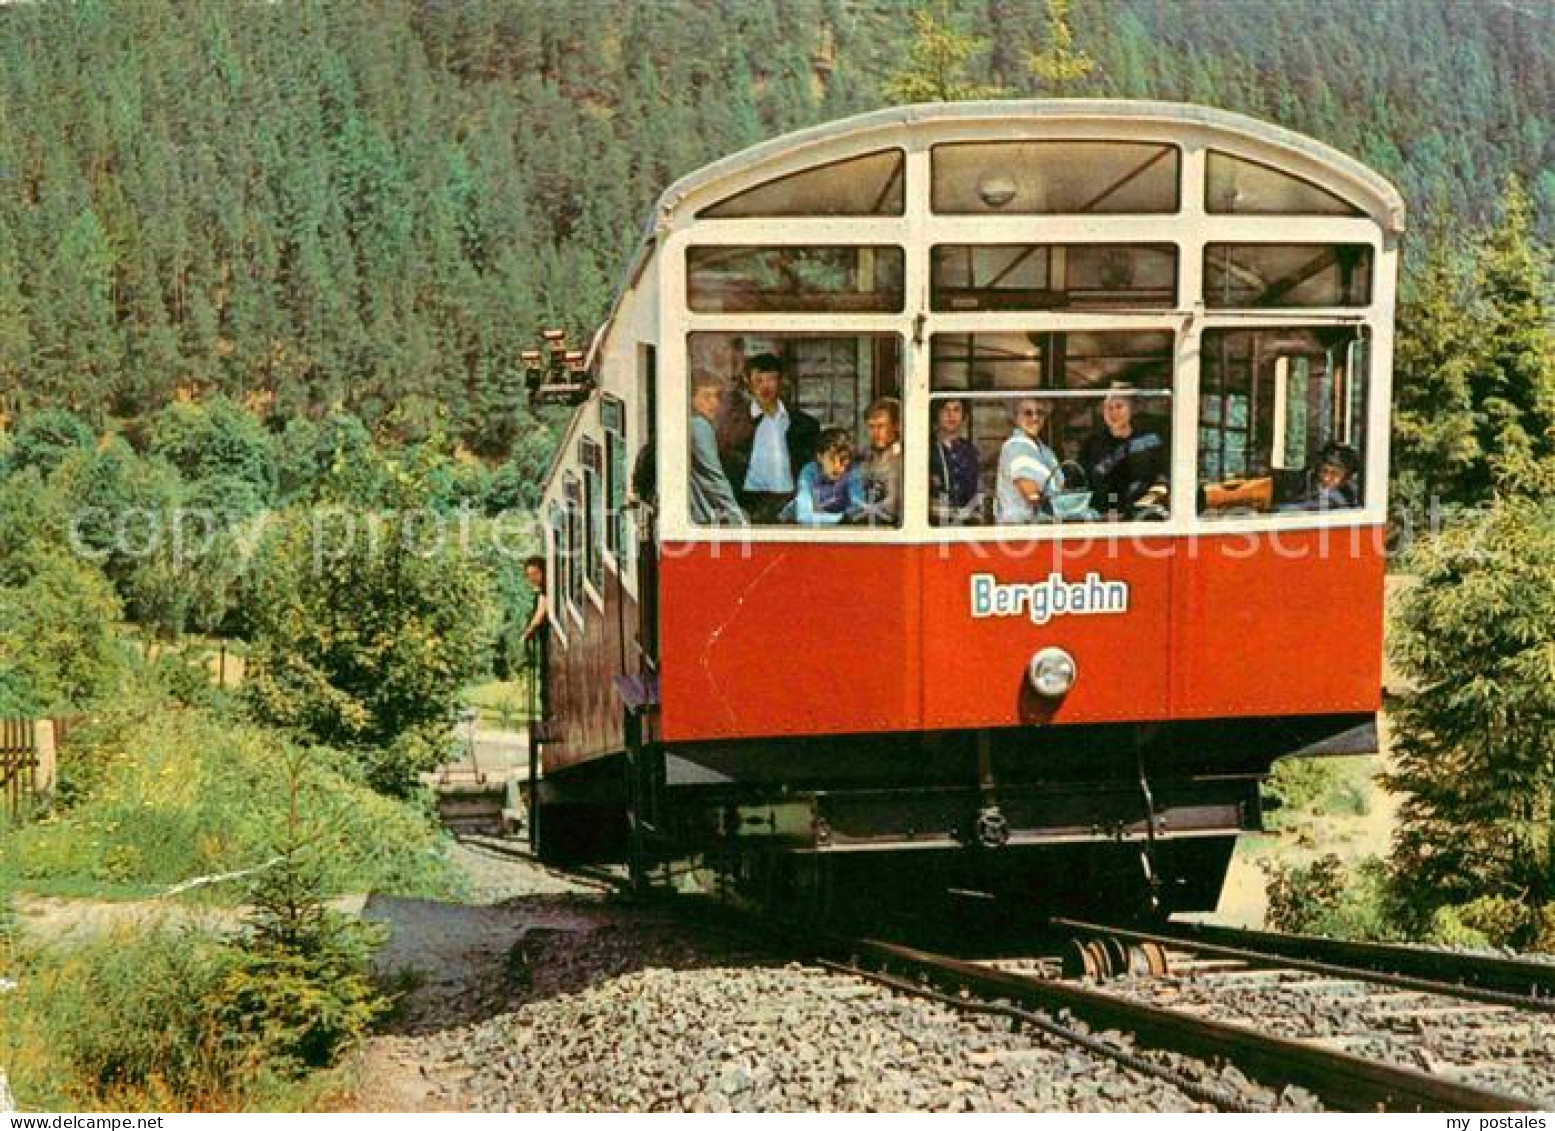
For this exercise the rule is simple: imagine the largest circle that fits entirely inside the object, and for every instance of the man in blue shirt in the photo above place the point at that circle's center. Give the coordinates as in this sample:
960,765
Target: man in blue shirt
763,443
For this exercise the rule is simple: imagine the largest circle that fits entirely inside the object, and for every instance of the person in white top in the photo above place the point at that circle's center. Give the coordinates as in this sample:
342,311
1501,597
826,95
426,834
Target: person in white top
1028,468
764,443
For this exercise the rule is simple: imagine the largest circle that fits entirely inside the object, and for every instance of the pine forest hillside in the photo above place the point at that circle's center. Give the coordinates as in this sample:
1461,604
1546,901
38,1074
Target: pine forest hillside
313,206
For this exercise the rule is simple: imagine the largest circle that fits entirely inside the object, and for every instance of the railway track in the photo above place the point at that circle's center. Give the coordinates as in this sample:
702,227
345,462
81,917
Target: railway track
1158,1019
1340,1080
1492,979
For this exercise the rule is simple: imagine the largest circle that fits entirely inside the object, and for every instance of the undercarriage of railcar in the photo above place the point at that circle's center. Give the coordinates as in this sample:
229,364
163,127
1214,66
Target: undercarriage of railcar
1087,819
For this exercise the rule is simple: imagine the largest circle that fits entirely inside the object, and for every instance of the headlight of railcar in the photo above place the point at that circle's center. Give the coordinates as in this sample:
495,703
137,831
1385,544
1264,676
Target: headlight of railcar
1051,672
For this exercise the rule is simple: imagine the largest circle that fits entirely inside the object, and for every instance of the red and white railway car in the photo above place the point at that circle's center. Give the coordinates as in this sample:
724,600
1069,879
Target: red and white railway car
1067,674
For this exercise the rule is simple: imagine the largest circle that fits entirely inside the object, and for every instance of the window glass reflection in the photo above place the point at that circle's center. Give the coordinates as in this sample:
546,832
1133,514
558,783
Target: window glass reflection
1281,420
1055,177
871,185
1050,427
801,279
788,429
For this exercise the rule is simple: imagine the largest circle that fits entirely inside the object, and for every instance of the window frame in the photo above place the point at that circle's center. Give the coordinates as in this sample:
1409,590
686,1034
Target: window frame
612,421
919,227
1168,394
1173,149
1364,432
591,464
1211,152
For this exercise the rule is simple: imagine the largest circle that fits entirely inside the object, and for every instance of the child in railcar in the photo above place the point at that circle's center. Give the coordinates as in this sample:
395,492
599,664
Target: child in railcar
830,487
1336,469
880,464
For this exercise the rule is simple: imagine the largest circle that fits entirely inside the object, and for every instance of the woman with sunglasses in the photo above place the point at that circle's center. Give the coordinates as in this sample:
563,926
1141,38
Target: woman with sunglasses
1028,468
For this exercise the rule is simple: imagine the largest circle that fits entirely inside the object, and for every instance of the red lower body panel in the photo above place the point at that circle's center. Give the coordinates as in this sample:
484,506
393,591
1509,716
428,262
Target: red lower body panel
769,639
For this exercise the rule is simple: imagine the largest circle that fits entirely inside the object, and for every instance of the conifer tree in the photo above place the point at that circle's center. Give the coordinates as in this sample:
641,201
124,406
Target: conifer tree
1059,67
1513,384
1436,447
938,62
1474,737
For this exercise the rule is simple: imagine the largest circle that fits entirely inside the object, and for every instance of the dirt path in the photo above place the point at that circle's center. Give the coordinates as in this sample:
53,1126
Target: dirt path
459,962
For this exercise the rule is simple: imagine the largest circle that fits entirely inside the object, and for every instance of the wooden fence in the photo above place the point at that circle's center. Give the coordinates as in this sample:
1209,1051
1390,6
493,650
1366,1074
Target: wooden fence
26,762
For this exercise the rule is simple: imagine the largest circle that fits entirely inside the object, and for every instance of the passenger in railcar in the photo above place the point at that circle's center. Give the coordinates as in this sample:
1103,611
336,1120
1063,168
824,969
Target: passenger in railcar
763,442
710,495
831,486
1338,465
953,466
880,465
537,632
1333,485
1028,468
1126,467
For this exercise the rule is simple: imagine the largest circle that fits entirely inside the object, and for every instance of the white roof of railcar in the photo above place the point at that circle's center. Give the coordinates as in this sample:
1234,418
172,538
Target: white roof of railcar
877,128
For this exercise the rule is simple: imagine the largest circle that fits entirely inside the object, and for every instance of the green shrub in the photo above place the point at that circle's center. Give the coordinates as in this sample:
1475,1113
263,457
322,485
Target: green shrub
302,990
1326,897
1301,783
58,649
161,794
1544,930
362,636
1491,920
45,439
122,1021
142,1020
216,438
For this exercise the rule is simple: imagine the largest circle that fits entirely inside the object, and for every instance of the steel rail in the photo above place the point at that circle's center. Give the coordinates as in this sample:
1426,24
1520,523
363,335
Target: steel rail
1394,966
1218,1098
1341,1081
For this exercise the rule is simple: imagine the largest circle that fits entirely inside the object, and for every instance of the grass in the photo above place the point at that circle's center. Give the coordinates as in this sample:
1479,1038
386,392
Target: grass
226,671
500,704
1310,788
128,1021
157,797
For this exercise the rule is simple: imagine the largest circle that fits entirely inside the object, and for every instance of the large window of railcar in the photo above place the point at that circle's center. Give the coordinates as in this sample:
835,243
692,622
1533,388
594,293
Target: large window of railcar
1282,420
1055,177
612,418
572,583
750,279
1053,276
1050,426
794,429
868,185
592,462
